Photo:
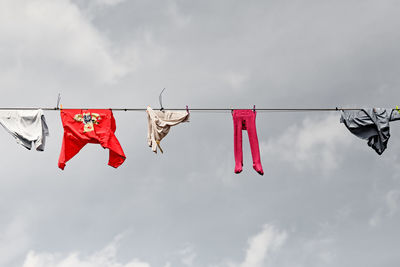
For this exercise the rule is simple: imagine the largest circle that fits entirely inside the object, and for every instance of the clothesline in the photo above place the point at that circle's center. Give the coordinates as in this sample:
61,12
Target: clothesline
85,125
195,109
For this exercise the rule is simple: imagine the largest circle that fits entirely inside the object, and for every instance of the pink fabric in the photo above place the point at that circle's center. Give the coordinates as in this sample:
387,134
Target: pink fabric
246,120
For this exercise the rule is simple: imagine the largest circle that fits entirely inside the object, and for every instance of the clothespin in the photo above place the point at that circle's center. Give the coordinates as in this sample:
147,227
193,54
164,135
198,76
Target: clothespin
254,108
397,108
58,100
160,99
187,109
231,110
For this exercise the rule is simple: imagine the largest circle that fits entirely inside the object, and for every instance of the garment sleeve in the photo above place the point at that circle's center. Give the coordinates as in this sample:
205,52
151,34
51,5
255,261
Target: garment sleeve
70,147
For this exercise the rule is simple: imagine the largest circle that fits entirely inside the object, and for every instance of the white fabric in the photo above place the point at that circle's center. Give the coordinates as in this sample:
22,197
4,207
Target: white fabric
160,122
26,126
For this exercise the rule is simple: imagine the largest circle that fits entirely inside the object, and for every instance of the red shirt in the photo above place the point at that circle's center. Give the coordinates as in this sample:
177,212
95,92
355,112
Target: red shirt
89,126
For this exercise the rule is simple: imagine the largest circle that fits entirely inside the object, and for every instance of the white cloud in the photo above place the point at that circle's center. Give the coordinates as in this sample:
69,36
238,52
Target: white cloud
103,258
312,145
263,244
260,247
40,36
108,2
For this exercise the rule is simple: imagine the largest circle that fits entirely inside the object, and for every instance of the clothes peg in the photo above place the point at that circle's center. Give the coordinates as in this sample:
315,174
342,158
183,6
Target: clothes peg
187,109
254,108
58,100
160,100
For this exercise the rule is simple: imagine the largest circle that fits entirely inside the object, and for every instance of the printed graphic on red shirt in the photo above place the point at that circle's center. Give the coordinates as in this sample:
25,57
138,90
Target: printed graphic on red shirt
88,119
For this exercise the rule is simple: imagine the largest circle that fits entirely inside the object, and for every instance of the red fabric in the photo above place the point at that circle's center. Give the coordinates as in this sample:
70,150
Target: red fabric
98,127
246,120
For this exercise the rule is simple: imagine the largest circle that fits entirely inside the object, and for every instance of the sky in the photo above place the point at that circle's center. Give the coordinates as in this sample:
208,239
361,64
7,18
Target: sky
326,198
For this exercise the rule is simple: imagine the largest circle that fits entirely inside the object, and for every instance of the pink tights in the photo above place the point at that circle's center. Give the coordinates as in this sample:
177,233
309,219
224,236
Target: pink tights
246,120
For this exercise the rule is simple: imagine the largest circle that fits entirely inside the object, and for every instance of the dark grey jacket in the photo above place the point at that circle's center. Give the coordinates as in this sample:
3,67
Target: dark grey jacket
371,124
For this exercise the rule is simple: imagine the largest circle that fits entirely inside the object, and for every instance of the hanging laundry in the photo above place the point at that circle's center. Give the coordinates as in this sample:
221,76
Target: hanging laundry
159,124
246,120
27,127
95,126
371,124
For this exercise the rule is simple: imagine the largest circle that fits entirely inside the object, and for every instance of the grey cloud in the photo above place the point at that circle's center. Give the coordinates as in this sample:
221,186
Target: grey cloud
207,54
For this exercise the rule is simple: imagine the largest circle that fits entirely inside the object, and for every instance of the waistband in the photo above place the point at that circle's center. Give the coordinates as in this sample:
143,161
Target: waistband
244,112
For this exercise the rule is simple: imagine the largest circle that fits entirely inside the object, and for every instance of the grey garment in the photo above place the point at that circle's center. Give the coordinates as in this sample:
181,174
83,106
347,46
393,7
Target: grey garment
371,124
26,126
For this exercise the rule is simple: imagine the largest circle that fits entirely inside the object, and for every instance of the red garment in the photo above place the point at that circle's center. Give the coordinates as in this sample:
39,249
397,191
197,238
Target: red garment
246,120
89,126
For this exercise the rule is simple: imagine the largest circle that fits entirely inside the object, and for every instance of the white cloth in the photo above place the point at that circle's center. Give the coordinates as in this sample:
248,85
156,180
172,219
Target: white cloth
160,122
26,126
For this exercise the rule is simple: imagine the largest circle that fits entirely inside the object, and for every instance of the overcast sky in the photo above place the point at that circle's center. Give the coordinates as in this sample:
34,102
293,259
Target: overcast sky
326,198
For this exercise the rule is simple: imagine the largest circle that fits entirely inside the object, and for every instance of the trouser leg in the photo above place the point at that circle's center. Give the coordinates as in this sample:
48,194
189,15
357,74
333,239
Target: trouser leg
237,143
255,151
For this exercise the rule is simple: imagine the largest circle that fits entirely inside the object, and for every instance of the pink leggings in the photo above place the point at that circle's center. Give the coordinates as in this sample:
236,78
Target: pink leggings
246,120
